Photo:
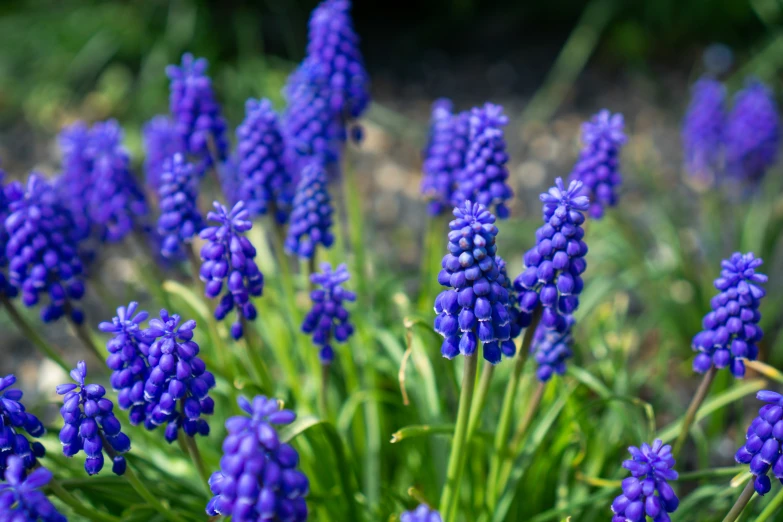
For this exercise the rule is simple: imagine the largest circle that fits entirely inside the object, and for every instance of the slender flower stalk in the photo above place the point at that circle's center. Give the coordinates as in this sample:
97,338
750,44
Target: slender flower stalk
32,335
742,502
698,398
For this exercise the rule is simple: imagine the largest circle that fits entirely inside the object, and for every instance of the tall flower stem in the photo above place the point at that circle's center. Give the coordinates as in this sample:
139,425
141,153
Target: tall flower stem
254,349
311,269
448,499
480,399
519,434
323,402
77,505
190,448
741,502
82,331
32,335
693,408
215,158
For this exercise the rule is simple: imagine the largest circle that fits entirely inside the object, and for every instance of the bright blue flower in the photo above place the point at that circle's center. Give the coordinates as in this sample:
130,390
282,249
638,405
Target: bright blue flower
731,331
42,250
90,424
311,218
14,422
161,142
20,497
551,349
475,307
258,477
328,319
647,493
423,513
598,167
180,219
178,384
228,256
75,184
518,319
702,130
762,448
485,175
553,268
6,195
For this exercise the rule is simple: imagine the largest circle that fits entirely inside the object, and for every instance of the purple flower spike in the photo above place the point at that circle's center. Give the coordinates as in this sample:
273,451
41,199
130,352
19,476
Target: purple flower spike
647,493
258,477
20,497
553,268
551,349
7,193
228,256
423,513
598,167
328,320
75,184
762,448
731,331
90,424
161,142
702,130
475,307
311,219
485,175
180,219
519,320
14,423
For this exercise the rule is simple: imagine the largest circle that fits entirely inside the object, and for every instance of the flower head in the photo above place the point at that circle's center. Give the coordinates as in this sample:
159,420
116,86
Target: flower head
328,320
6,195
229,256
20,497
551,349
90,424
702,130
75,184
258,477
731,329
180,219
423,513
762,448
647,493
14,423
518,319
161,142
311,218
553,268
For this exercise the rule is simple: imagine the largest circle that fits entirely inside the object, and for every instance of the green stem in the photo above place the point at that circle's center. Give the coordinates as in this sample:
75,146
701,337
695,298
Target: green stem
771,508
214,156
513,449
32,335
311,269
459,449
323,398
480,399
83,333
78,507
253,344
741,502
190,448
690,415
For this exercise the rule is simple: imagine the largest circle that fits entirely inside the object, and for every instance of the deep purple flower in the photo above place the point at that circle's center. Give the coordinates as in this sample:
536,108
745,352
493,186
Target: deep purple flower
14,422
228,256
752,133
485,175
7,193
702,130
551,349
553,268
518,319
196,112
180,219
311,218
762,448
474,308
178,383
42,250
731,329
647,493
265,180
444,156
90,424
161,142
258,477
20,497
423,513
328,319
598,167
75,184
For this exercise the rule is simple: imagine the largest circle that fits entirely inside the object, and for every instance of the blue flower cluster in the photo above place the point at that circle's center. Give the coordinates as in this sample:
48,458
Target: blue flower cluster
258,477
518,319
752,132
161,142
229,256
328,319
6,195
551,349
598,167
14,420
21,498
474,308
423,513
762,448
552,277
90,424
42,250
647,493
180,219
311,218
75,184
731,329
702,130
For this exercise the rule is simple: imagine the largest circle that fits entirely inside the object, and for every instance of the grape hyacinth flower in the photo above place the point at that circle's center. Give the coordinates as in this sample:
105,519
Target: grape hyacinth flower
423,513
762,448
90,424
518,319
311,218
702,130
731,330
329,320
7,290
180,219
444,156
647,493
20,497
485,175
42,250
229,256
474,308
178,384
598,166
258,477
75,184
553,268
752,133
196,112
161,142
265,180
551,349
14,422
